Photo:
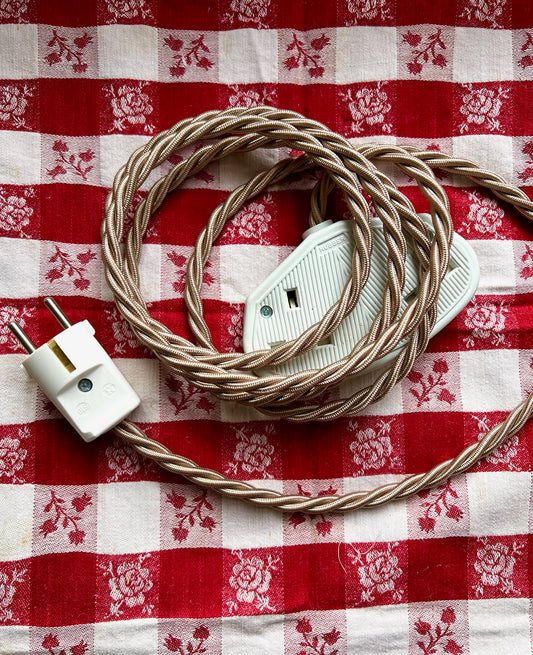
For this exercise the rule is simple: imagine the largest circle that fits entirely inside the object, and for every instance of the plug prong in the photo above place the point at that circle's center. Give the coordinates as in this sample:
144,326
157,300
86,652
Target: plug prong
22,337
56,310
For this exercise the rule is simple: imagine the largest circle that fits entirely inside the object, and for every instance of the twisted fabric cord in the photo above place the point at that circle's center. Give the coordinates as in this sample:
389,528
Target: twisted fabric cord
296,397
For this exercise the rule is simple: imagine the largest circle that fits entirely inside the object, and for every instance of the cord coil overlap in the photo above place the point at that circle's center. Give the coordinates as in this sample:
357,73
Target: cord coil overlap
300,396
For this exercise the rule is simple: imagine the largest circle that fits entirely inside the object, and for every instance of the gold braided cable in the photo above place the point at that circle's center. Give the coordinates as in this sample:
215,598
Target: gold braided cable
230,376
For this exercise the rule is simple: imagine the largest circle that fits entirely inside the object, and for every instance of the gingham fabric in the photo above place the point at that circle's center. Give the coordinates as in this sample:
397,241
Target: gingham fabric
101,552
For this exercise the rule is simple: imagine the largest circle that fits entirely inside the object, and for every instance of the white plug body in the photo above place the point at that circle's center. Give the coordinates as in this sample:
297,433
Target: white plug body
307,283
82,381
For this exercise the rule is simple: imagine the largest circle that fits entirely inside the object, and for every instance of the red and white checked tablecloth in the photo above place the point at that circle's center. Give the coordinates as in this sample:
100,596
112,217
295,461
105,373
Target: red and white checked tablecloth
102,552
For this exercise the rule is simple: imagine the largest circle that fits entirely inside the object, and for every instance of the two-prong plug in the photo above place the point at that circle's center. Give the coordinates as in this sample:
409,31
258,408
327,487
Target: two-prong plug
78,376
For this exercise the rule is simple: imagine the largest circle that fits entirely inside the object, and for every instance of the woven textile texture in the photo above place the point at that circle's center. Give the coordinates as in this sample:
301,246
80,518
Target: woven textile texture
101,552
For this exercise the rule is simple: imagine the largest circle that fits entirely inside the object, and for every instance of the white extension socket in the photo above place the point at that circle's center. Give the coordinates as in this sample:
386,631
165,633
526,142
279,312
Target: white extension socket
311,279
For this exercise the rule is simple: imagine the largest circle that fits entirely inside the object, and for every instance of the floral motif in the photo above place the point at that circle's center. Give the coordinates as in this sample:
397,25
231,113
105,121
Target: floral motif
63,50
438,636
371,449
195,53
528,171
252,221
506,452
180,262
51,641
378,572
13,10
251,12
13,105
439,503
122,332
431,386
250,97
484,215
65,517
129,583
487,321
484,10
176,645
76,270
251,577
527,258
368,10
425,51
15,211
131,106
235,326
482,107
120,9
527,60
123,460
190,514
307,57
322,524
317,643
12,455
186,396
8,589
9,313
495,566
73,163
253,453
368,108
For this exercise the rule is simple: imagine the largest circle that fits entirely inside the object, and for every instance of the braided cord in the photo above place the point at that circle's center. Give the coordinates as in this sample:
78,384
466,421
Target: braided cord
230,376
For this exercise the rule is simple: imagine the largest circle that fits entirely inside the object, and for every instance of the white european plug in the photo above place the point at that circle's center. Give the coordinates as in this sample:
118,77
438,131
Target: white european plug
78,376
307,283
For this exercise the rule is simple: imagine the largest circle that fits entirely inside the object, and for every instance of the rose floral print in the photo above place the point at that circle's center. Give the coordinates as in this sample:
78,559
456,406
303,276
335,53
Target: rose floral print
131,106
13,105
438,503
315,643
485,11
121,9
482,107
14,10
65,516
190,514
71,52
251,13
368,108
74,268
437,638
372,448
13,456
51,642
190,647
253,453
486,321
322,524
431,386
22,315
308,57
378,572
251,577
485,216
247,97
507,453
129,584
495,567
425,51
527,59
252,222
123,461
368,10
196,53
10,579
75,163
16,211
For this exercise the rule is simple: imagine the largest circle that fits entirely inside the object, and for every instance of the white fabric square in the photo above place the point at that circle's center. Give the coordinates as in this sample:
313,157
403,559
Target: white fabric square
244,527
490,380
19,396
19,52
499,502
239,58
115,149
492,151
496,264
257,261
150,272
143,375
15,639
482,55
499,621
366,630
253,634
20,157
22,280
140,636
127,51
366,54
16,521
128,517
385,523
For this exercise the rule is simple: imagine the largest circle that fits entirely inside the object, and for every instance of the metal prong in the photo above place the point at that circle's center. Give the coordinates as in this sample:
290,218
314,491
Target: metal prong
22,337
57,312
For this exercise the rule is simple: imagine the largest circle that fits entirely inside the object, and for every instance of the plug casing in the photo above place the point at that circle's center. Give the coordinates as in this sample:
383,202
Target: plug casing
75,356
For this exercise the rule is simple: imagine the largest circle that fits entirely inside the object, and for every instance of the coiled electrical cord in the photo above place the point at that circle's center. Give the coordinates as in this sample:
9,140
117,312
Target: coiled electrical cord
229,376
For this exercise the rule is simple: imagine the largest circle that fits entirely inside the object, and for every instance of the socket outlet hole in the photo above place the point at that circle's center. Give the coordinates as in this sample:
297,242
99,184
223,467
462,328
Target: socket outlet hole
275,344
326,341
292,298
